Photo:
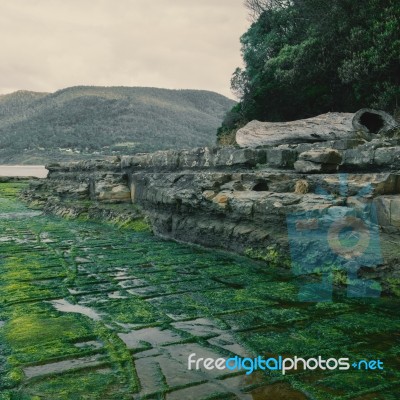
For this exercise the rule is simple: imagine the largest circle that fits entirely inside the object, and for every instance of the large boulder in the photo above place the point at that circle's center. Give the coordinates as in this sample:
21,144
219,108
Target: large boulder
325,127
366,124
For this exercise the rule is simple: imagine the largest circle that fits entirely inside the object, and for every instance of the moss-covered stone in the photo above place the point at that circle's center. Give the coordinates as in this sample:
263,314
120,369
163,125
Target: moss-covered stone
138,306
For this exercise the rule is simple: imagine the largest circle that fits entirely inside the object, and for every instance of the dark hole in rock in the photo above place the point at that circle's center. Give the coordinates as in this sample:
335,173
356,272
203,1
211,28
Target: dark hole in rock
261,187
373,122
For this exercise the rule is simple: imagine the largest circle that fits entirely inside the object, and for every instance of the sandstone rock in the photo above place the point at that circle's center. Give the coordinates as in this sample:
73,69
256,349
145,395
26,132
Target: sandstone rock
110,188
281,157
345,144
105,164
71,190
111,193
395,212
209,194
388,211
221,199
198,158
309,167
322,156
358,159
365,124
325,127
362,185
231,156
387,156
302,187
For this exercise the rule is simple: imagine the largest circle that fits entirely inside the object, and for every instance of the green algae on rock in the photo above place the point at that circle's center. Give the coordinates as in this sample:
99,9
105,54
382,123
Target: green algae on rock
155,303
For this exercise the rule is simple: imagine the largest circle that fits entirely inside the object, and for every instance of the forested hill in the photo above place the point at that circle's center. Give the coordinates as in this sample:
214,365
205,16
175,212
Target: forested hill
80,122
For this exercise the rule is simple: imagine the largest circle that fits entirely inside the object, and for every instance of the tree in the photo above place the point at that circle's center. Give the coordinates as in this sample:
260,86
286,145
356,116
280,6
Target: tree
306,57
257,7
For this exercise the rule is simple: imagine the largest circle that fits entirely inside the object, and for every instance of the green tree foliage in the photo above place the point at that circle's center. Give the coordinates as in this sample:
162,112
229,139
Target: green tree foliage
306,57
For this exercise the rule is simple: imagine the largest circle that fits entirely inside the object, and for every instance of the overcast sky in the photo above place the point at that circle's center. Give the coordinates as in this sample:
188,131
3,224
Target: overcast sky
47,45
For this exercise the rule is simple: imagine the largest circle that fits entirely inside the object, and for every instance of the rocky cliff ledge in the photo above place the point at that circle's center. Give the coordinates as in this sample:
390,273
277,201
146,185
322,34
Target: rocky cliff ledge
256,201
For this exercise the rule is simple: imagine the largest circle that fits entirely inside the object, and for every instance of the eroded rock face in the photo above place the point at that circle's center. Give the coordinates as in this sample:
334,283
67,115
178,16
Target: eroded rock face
197,158
241,199
373,121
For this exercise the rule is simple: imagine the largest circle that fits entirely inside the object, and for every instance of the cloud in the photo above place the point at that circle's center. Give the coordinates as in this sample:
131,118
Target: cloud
51,44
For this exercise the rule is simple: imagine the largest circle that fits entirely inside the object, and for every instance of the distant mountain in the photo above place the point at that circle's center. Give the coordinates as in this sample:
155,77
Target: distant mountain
83,121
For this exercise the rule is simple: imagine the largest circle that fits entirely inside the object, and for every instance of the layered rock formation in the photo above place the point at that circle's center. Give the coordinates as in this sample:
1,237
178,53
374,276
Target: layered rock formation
267,202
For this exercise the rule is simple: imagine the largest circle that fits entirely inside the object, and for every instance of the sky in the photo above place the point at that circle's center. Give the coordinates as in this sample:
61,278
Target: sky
47,45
